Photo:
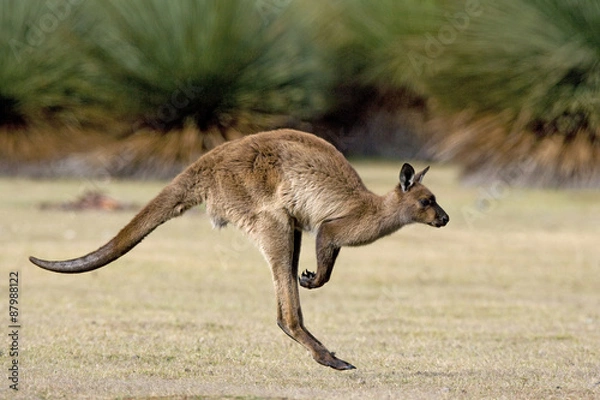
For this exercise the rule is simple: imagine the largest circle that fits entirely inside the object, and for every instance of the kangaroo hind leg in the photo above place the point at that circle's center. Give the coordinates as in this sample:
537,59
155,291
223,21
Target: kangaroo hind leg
280,246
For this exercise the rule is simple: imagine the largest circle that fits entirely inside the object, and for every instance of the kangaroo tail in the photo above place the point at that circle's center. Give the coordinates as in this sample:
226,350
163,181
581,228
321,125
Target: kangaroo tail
171,202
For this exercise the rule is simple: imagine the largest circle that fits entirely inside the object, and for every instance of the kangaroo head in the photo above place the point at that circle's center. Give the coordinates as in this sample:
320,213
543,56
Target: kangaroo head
419,202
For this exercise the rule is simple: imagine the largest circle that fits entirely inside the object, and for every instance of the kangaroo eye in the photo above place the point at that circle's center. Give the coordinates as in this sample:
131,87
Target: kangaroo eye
425,202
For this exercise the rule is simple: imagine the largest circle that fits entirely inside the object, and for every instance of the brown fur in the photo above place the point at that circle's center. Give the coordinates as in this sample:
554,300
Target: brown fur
273,186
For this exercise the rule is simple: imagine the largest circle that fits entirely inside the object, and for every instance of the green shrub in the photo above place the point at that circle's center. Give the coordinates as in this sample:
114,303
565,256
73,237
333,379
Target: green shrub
43,77
48,89
376,99
528,74
368,41
513,82
213,63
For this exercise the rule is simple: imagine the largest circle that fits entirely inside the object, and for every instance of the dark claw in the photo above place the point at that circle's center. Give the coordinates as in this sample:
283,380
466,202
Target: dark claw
308,274
307,279
344,367
330,360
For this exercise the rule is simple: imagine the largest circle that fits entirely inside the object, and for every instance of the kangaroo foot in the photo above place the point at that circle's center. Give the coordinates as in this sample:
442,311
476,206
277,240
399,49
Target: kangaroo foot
330,360
307,279
311,280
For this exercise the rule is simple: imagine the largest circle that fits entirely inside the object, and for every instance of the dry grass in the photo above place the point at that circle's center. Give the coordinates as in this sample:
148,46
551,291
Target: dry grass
489,146
502,303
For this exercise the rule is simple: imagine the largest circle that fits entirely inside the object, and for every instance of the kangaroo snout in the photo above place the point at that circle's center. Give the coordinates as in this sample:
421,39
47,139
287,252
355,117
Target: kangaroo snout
442,219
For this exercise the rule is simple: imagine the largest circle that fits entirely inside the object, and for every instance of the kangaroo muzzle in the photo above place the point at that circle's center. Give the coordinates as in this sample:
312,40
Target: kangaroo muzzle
441,218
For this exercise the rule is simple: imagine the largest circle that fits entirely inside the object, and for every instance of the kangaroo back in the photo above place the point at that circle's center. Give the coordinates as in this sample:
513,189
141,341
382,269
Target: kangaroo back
171,202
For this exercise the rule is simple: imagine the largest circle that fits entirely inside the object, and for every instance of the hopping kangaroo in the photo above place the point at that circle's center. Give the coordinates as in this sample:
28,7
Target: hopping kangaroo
274,185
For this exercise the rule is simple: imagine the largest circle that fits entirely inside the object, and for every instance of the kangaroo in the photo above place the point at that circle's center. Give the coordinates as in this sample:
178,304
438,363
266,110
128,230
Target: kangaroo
273,186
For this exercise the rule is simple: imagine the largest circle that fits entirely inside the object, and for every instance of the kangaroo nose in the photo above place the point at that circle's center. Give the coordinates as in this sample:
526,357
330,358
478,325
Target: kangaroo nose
445,219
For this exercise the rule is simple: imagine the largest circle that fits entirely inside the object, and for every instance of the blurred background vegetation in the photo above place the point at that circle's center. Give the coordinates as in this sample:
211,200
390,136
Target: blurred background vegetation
139,88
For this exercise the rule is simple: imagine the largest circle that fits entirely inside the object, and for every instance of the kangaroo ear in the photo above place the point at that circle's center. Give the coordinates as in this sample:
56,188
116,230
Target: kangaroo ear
420,175
407,177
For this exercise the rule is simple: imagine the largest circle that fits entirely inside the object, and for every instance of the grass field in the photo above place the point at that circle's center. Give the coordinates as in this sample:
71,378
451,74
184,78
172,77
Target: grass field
504,302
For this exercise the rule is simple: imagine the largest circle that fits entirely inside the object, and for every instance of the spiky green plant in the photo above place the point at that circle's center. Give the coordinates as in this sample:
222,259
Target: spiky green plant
369,42
225,63
47,89
377,100
528,74
376,38
189,74
42,70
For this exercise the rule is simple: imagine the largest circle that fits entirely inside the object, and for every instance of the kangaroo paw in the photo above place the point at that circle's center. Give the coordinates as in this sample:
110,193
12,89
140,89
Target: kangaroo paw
330,360
307,280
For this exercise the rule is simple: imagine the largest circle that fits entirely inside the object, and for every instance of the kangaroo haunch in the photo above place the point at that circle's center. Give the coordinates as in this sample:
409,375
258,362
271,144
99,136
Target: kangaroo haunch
272,186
